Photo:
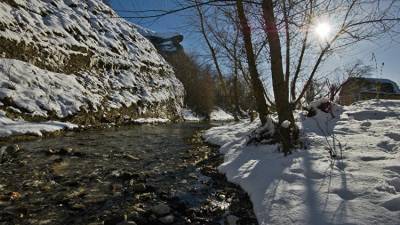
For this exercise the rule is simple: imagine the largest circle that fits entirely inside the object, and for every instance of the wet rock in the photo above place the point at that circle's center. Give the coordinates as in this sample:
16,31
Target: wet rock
114,219
221,197
232,220
13,148
44,222
134,215
167,219
64,151
116,187
4,203
131,157
7,153
123,175
127,223
161,209
139,187
78,206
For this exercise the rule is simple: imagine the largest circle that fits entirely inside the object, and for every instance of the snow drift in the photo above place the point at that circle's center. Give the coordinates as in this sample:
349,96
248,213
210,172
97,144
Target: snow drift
308,187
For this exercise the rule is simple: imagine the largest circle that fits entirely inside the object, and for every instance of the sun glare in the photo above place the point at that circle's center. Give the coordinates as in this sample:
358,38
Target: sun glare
322,30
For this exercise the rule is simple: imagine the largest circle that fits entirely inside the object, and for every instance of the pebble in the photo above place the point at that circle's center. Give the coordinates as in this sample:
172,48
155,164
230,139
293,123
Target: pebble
167,219
139,188
221,197
13,148
161,209
131,157
127,223
232,220
9,152
114,219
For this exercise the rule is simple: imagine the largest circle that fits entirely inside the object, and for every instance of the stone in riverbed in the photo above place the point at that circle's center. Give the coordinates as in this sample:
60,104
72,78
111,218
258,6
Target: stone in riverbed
131,157
138,187
64,151
232,220
114,219
8,153
167,219
127,223
161,209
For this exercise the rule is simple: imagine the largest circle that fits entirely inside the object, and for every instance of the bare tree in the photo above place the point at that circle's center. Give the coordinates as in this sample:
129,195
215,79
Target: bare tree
352,21
294,50
212,50
258,88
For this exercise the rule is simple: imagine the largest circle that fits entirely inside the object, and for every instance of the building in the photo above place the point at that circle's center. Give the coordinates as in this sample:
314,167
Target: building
361,88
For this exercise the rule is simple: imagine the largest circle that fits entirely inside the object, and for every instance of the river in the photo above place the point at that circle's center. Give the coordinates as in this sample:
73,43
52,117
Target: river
150,174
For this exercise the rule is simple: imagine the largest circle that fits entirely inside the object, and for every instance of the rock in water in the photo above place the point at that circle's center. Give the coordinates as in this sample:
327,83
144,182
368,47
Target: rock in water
161,209
7,153
167,219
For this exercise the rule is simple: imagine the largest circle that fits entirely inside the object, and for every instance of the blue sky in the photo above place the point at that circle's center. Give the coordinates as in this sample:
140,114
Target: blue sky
385,51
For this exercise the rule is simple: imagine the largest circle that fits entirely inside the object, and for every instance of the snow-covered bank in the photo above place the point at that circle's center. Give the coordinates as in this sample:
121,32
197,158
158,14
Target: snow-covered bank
308,187
9,127
189,115
219,114
76,60
151,120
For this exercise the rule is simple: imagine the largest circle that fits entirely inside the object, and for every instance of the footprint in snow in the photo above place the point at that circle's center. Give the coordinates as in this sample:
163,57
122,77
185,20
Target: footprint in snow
372,158
366,124
392,204
395,183
346,194
395,169
394,136
388,147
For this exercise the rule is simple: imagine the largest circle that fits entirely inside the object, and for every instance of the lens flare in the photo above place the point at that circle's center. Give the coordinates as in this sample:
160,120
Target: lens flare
323,30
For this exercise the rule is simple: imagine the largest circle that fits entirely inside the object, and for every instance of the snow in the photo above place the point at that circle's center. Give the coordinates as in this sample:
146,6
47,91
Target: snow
285,124
123,67
314,104
230,132
151,120
151,33
219,114
308,187
189,115
9,127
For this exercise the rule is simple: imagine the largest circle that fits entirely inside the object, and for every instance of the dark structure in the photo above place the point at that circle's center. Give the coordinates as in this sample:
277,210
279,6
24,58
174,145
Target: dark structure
167,42
359,88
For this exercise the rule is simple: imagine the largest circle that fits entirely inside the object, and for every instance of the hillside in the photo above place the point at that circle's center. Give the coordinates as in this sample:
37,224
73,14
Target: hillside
76,61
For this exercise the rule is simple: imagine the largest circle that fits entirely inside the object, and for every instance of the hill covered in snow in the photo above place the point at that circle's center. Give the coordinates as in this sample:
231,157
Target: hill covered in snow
76,61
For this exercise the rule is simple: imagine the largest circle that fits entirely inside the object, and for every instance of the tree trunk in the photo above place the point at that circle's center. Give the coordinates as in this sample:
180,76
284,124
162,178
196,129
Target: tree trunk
258,88
212,51
280,86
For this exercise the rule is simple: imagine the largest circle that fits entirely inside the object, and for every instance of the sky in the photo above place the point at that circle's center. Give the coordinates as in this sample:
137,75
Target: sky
384,51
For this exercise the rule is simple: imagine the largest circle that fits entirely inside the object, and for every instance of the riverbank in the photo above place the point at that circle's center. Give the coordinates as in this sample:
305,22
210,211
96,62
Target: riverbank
359,184
141,174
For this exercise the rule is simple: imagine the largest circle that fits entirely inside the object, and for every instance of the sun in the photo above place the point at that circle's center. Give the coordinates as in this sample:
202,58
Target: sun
323,30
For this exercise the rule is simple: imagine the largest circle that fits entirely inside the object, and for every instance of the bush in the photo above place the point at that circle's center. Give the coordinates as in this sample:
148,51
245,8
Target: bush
197,80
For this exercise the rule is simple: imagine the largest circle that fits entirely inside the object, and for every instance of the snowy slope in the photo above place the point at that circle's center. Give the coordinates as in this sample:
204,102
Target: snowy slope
308,187
64,58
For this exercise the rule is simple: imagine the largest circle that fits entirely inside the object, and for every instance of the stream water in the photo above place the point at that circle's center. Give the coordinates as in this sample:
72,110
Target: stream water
146,174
